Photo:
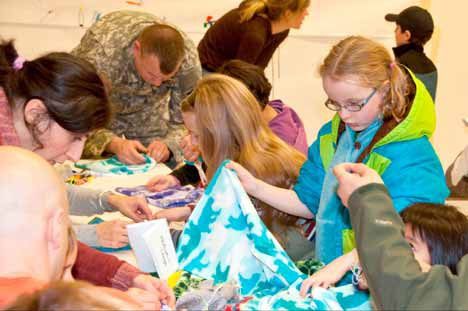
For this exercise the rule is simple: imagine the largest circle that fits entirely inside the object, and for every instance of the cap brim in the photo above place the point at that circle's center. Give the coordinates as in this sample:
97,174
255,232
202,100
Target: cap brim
391,17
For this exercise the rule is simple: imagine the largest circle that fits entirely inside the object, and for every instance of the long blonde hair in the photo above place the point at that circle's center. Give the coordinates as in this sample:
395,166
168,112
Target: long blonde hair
370,64
230,126
273,9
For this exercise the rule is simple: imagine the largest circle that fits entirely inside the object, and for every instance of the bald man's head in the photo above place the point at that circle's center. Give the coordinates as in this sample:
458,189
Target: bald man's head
34,211
28,184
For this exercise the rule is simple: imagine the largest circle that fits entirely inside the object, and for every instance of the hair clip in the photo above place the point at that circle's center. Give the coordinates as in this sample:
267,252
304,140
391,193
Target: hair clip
18,63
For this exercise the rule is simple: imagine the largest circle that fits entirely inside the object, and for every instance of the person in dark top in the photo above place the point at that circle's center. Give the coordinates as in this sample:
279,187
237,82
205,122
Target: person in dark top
414,28
251,32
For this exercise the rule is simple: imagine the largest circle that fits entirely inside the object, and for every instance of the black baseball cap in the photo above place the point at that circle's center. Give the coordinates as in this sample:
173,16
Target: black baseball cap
416,19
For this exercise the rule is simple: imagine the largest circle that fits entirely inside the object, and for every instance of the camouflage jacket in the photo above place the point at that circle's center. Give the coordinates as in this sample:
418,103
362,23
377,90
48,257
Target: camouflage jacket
141,111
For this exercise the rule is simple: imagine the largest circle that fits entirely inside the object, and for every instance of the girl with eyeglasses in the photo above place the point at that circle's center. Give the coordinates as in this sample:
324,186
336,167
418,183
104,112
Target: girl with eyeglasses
385,117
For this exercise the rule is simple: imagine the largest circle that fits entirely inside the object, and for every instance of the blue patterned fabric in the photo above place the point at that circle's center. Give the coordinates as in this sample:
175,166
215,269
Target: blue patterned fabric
225,240
172,197
331,218
336,298
112,166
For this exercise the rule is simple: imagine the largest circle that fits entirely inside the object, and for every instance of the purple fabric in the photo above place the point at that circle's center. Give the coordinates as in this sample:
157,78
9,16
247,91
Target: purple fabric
288,126
169,198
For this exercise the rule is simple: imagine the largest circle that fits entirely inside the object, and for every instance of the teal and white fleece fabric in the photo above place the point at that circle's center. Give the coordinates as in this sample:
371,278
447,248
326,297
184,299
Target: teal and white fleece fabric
225,240
112,166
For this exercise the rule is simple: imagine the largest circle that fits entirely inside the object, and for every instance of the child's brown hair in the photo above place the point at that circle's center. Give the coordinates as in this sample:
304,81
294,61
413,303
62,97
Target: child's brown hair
443,228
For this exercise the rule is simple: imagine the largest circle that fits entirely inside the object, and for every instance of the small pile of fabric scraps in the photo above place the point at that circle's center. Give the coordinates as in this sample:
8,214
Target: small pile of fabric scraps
209,296
309,266
172,197
225,241
73,175
112,166
186,281
79,179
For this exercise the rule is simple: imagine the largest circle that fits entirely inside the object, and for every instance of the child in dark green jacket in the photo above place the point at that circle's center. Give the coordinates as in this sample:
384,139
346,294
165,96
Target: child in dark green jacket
396,279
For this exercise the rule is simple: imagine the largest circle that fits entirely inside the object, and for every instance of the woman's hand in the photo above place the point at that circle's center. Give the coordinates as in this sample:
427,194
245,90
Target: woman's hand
158,288
331,273
162,182
248,181
112,234
135,208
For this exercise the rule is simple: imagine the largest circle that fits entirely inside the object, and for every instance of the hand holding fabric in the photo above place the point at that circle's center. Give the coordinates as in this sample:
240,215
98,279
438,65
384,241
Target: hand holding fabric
162,182
352,176
156,286
248,181
127,151
112,234
135,208
191,152
159,151
331,273
145,299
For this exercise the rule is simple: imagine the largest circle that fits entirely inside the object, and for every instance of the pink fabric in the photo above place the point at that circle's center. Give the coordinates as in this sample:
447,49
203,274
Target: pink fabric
8,135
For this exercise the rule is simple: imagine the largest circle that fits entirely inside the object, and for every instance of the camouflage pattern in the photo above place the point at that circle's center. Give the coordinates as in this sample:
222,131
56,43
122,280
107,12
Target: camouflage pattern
141,111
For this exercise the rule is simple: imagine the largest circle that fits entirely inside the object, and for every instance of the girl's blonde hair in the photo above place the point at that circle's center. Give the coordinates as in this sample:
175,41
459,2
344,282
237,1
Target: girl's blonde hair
230,126
273,9
368,63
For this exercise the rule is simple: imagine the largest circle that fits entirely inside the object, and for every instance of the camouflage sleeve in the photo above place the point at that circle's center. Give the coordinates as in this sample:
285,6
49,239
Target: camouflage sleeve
92,50
96,143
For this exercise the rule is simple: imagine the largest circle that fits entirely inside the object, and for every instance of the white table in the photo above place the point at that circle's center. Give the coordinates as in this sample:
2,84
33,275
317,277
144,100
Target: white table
110,183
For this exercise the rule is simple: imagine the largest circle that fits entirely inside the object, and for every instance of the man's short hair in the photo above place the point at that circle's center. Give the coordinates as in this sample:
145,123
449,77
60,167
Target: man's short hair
417,21
164,42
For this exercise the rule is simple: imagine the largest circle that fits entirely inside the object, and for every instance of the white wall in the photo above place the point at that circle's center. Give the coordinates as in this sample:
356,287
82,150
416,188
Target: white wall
450,51
293,69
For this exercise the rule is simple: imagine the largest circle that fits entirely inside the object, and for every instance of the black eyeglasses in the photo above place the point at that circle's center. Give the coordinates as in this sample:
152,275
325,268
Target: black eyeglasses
332,105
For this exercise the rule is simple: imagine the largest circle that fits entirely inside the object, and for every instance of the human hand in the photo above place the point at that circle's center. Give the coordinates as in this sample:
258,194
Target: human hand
112,233
127,151
162,182
135,208
191,152
174,214
146,300
154,285
352,176
248,181
362,284
159,151
330,274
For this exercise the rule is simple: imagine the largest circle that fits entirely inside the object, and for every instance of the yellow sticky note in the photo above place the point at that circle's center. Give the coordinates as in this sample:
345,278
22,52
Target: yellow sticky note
174,278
